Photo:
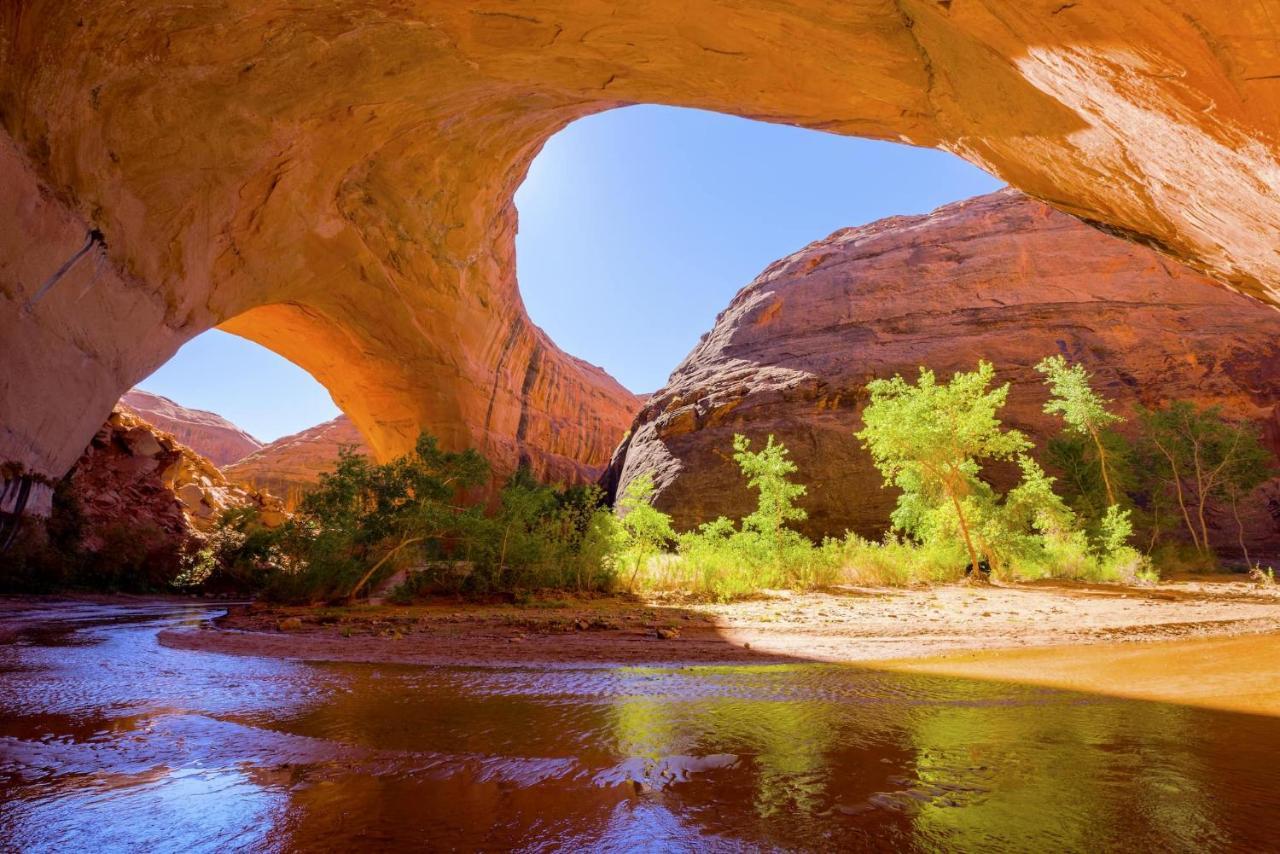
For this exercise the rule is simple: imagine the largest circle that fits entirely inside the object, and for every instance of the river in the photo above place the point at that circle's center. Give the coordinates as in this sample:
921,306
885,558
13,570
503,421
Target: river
110,741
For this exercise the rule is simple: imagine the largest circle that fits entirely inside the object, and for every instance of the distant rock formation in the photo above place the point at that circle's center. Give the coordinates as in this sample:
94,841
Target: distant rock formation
206,433
289,465
138,491
1000,277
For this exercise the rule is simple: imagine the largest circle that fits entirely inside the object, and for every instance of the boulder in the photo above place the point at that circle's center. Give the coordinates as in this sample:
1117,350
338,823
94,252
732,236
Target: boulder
134,477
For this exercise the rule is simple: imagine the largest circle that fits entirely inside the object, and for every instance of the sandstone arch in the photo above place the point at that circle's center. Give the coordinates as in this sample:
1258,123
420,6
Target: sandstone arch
356,161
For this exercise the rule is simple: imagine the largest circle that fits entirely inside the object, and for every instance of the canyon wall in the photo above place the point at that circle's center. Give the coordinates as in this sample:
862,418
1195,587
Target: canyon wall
206,433
1000,277
335,181
291,464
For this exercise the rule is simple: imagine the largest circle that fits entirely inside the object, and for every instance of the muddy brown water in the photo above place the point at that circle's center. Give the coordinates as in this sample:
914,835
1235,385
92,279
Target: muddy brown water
111,742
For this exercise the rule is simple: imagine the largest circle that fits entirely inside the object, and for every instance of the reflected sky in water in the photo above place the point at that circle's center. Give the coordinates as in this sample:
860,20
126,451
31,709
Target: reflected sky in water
109,741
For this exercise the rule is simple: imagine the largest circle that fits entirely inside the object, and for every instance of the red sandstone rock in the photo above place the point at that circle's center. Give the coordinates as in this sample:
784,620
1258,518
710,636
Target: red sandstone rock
1000,277
206,433
135,482
289,465
335,180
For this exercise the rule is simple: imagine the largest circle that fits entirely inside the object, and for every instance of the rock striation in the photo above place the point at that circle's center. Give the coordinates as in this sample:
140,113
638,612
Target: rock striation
291,464
1001,277
335,181
206,433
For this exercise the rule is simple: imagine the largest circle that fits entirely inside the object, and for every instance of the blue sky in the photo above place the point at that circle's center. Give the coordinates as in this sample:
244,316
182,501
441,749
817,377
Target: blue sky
637,226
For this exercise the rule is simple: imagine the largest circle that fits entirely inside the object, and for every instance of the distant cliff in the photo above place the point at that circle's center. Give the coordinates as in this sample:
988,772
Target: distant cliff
206,433
290,464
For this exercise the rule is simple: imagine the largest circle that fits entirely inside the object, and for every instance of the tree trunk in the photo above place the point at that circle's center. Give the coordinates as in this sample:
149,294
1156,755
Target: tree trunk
1235,511
1102,464
386,557
964,531
1182,504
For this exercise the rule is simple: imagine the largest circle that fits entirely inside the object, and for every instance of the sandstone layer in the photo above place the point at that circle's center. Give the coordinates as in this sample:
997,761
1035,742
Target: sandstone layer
291,464
1000,277
336,181
206,433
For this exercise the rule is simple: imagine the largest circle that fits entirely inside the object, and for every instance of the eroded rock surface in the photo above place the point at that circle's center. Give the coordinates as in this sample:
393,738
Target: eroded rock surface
336,181
290,464
206,433
136,490
1000,277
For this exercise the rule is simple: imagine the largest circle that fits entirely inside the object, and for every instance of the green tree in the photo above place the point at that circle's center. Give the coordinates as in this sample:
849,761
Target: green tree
362,516
930,438
1084,411
1251,466
645,528
766,472
1203,457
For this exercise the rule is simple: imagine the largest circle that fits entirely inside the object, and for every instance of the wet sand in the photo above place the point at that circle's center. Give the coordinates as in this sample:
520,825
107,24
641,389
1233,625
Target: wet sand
1232,674
1076,630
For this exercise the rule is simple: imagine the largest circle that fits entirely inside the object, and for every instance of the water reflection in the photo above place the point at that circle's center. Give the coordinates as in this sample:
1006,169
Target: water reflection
110,741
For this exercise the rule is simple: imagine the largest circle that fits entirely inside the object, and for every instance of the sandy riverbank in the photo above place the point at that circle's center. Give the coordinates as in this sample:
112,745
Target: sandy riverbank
844,625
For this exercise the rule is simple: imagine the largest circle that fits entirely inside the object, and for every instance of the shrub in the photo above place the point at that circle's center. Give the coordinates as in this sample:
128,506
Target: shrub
644,530
727,561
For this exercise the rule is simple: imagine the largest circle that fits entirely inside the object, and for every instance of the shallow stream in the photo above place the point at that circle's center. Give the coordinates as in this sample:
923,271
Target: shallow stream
110,741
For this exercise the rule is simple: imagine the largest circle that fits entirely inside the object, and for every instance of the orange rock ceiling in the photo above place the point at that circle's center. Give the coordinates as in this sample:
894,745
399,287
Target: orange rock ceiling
334,180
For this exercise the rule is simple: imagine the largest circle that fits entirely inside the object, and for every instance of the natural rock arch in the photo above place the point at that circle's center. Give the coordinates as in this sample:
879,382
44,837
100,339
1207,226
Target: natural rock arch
337,183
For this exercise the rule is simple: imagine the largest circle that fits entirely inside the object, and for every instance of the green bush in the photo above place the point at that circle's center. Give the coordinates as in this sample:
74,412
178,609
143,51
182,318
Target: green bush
727,561
364,521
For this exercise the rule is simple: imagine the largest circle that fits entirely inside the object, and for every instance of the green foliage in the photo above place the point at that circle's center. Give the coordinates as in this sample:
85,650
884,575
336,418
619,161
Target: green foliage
363,521
1094,457
894,562
1077,459
239,556
1073,397
543,537
929,440
766,472
644,530
1196,458
726,561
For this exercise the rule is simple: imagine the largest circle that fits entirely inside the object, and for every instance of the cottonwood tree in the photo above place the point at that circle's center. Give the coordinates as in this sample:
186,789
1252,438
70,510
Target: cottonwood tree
1252,466
1203,456
1083,410
930,438
645,528
408,501
766,472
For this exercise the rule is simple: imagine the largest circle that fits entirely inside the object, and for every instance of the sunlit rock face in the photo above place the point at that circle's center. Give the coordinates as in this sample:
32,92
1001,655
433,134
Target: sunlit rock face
206,433
335,182
1001,277
291,464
